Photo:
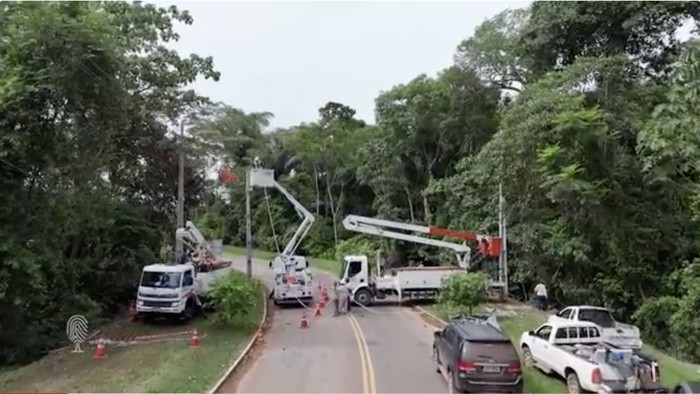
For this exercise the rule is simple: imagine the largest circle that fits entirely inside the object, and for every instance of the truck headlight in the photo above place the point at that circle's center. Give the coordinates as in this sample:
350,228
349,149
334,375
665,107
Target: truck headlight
140,303
174,304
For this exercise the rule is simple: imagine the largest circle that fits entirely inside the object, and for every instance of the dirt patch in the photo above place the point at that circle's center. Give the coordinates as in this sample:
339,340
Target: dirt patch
230,385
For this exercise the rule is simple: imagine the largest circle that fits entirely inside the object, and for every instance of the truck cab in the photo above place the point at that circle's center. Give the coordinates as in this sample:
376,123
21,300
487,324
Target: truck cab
167,290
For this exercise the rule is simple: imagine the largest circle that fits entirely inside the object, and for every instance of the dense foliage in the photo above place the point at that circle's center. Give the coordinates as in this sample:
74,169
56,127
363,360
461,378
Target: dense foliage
234,296
462,292
88,171
586,113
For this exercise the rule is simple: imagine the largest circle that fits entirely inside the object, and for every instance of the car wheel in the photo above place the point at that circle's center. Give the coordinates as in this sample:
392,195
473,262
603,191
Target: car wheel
436,361
687,387
572,384
527,356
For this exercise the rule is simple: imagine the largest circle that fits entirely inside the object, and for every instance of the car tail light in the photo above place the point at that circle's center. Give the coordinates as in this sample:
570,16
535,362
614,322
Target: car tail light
514,367
596,377
466,366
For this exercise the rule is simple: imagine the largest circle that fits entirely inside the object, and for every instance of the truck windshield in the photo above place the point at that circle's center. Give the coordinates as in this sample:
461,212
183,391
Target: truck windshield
343,265
166,280
600,317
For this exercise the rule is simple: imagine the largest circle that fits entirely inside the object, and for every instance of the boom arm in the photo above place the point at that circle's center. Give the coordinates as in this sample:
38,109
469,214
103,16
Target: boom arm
190,236
259,177
383,228
373,226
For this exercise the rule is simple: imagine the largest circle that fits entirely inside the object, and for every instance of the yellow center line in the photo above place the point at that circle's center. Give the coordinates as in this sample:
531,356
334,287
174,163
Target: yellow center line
369,385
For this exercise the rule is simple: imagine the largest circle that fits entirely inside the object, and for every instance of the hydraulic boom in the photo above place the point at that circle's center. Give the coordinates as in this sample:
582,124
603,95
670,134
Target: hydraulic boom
488,245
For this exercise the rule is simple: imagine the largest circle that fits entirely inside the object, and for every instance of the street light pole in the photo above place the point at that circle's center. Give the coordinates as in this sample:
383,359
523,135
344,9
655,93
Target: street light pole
248,228
180,193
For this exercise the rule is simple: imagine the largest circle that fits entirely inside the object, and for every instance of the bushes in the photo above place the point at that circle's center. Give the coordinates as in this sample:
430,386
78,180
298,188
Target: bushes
234,296
654,320
462,292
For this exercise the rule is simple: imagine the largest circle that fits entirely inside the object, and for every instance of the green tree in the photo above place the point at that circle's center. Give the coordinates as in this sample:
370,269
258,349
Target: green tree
234,296
463,292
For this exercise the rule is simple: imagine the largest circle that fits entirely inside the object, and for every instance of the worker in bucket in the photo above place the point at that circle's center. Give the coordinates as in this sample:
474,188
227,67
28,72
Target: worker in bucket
541,296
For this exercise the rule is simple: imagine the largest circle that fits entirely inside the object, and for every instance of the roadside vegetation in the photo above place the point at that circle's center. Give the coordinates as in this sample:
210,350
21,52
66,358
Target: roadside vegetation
164,367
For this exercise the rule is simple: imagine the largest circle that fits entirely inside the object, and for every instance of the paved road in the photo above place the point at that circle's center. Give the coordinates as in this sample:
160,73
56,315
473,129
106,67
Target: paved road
376,350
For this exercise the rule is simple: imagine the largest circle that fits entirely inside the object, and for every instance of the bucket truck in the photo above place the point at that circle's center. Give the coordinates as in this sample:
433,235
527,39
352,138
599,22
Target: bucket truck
179,290
293,280
410,283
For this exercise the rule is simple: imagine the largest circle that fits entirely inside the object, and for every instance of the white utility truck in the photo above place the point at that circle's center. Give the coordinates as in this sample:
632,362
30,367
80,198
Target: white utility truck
409,283
615,333
575,351
179,290
293,280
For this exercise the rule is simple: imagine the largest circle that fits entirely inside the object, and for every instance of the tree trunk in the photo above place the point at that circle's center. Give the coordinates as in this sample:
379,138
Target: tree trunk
410,204
333,211
318,194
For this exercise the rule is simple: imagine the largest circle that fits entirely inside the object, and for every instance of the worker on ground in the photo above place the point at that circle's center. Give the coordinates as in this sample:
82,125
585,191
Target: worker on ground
342,298
541,296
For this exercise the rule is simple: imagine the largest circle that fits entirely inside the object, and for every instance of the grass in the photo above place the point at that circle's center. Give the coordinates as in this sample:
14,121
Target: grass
156,367
314,262
673,371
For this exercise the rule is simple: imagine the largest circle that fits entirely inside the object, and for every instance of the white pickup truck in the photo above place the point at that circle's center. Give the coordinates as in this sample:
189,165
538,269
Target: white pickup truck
575,351
615,333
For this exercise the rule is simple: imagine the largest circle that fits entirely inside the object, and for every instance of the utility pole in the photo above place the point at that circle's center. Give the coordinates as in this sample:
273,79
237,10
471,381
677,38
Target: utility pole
502,233
180,193
248,228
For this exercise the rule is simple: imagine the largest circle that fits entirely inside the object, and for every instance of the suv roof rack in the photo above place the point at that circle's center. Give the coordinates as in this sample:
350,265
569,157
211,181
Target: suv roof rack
478,327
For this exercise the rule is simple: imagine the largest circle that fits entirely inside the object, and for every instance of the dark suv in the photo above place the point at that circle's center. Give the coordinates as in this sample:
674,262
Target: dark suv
474,355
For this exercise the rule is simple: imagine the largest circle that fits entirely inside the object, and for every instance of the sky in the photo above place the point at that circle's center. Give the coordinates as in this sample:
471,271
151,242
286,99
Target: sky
291,58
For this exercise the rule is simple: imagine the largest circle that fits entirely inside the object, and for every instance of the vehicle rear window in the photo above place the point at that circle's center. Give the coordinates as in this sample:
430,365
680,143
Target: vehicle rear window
600,317
499,351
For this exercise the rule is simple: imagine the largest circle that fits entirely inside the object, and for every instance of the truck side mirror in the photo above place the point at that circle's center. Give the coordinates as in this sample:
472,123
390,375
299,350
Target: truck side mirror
270,264
437,333
531,333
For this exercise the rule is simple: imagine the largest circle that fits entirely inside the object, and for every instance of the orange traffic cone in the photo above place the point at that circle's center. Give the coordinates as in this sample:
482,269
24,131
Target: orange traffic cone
317,312
194,341
100,350
304,323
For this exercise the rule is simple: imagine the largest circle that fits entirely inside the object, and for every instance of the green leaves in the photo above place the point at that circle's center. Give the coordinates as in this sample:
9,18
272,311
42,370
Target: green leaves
234,296
462,292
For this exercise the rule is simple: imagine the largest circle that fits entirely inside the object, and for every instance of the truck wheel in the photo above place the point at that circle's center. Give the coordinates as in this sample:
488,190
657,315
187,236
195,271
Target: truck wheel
188,313
687,387
363,297
572,384
527,356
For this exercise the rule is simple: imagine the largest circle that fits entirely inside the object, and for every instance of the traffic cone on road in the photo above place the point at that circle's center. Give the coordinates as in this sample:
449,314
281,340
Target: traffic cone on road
100,350
194,340
317,312
304,323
